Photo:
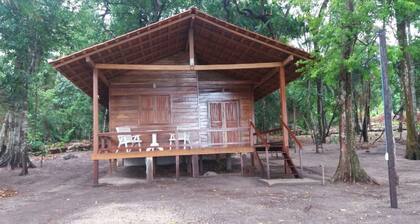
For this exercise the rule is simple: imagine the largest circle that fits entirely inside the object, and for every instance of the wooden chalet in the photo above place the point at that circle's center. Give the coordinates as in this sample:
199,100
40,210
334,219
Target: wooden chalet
188,75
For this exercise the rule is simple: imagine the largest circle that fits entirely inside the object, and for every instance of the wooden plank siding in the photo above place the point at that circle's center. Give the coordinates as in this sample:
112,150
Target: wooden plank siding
134,97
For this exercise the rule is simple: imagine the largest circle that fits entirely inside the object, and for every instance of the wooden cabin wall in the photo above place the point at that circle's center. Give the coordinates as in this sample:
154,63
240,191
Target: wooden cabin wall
189,99
127,89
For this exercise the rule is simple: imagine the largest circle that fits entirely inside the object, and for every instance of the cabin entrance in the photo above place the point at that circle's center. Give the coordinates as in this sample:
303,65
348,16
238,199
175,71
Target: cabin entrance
224,118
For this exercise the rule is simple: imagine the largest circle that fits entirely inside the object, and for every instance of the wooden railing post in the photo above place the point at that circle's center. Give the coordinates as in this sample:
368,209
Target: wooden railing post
176,157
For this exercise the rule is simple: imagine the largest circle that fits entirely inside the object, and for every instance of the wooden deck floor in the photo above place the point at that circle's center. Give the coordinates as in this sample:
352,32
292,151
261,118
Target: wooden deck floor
174,152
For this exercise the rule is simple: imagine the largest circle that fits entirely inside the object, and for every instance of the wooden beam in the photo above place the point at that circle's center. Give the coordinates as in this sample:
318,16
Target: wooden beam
288,60
250,38
237,66
95,127
173,152
112,43
266,77
187,67
92,64
230,82
283,107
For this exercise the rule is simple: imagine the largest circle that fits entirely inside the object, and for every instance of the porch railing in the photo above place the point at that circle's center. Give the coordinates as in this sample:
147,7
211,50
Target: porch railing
198,138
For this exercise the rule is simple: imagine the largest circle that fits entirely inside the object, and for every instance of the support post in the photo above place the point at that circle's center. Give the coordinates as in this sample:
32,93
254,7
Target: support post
110,167
267,161
95,172
195,168
283,109
177,156
177,167
149,169
242,164
95,138
390,153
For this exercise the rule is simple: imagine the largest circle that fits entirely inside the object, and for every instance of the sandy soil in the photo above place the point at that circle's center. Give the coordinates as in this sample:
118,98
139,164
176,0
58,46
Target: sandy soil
62,192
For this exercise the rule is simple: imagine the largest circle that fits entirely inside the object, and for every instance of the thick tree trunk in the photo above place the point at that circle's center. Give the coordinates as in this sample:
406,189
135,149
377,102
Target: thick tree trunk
404,67
349,168
13,142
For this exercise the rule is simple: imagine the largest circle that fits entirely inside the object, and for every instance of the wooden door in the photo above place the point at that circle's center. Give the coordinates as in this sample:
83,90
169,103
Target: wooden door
224,115
216,122
231,112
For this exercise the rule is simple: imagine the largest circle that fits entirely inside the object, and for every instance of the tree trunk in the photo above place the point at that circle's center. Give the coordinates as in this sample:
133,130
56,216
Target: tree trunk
321,110
366,114
349,168
357,127
404,67
13,142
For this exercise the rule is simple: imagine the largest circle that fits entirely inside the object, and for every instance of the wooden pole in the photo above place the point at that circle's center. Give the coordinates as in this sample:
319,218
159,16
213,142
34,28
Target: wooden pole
149,169
242,164
283,109
390,153
177,167
195,168
177,156
95,127
268,162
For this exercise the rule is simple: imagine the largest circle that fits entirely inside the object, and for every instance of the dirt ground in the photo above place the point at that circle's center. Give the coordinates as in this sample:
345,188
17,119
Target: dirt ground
62,192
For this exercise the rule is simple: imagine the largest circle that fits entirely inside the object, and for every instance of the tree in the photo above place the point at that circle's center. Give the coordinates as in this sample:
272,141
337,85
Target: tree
28,31
349,169
338,59
404,11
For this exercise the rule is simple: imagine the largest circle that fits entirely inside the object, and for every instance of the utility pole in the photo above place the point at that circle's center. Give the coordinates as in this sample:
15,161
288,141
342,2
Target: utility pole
390,153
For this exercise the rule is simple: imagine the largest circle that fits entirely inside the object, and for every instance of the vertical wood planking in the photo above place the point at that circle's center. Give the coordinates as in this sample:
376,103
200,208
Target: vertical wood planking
191,43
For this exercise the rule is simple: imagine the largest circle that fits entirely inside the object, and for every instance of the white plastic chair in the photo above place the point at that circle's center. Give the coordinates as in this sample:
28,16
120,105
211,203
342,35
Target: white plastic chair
185,137
127,139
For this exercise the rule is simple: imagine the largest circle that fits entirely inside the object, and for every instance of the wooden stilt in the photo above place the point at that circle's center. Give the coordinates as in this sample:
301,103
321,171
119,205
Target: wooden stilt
252,155
95,172
149,169
154,166
195,168
110,167
201,164
228,162
267,162
177,167
115,164
188,162
242,164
